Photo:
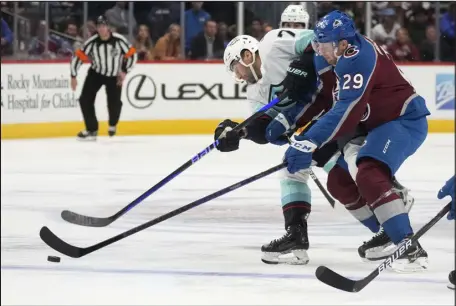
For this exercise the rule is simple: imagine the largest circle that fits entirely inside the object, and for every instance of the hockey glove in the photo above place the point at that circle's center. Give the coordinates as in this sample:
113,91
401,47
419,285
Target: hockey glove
448,190
301,79
228,139
299,155
282,123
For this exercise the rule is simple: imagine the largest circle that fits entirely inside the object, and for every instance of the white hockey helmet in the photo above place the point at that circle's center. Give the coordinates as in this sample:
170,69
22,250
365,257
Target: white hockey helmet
233,51
296,14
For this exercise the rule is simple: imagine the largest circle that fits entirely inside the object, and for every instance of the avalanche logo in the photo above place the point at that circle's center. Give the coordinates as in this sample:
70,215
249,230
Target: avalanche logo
337,23
444,91
351,51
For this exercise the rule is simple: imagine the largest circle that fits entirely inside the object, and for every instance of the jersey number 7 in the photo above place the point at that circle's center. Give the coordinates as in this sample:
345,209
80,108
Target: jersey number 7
280,34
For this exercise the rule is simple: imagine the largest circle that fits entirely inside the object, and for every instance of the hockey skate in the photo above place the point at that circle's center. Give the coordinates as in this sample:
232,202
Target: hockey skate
451,277
291,248
87,136
414,260
112,131
374,249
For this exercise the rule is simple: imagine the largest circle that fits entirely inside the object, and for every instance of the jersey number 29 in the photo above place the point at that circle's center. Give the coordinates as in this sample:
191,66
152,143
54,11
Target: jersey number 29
353,83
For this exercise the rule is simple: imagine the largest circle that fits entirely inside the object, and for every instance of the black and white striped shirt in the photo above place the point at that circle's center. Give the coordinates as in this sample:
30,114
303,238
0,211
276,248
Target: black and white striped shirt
108,57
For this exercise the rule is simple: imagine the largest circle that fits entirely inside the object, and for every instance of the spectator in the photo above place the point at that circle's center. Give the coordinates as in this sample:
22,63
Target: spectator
232,31
143,44
256,29
72,31
324,7
7,36
161,16
195,18
207,45
403,50
267,27
222,32
168,46
359,10
447,40
56,45
417,25
427,46
89,29
447,23
384,33
410,8
118,17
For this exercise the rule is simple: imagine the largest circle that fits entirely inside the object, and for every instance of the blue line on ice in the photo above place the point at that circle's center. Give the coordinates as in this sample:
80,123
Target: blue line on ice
204,273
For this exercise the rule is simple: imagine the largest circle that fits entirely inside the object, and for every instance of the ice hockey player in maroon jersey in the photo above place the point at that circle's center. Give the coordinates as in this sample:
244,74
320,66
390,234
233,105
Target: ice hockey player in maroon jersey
371,92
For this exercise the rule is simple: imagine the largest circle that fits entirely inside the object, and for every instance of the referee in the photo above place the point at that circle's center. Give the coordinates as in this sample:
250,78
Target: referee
112,56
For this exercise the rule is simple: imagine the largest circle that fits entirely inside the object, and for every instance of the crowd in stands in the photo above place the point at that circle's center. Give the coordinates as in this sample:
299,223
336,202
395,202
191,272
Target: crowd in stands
406,29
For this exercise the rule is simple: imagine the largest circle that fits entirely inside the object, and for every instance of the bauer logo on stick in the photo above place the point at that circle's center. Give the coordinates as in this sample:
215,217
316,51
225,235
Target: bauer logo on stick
399,252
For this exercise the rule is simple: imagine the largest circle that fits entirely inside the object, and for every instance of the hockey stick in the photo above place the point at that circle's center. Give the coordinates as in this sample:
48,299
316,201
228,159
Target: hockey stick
340,282
322,189
72,251
78,219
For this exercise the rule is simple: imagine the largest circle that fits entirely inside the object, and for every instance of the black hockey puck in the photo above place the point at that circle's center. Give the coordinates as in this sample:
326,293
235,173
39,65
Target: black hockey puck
54,258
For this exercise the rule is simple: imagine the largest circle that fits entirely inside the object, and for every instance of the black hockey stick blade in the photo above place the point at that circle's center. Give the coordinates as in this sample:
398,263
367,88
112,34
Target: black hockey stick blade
78,219
61,246
333,279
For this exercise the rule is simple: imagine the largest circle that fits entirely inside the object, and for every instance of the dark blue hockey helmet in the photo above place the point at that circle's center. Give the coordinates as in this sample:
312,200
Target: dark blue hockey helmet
334,27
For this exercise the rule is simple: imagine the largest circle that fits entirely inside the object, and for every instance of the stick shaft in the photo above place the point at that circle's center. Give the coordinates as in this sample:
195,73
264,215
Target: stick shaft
100,222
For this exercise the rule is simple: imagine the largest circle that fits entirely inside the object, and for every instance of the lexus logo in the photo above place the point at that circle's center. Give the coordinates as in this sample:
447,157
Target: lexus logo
141,91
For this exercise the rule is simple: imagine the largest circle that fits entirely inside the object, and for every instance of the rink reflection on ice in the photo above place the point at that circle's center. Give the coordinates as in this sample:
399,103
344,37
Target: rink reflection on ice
208,255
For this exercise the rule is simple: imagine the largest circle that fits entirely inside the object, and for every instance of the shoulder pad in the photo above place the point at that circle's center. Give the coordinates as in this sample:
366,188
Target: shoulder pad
351,51
354,56
268,37
117,35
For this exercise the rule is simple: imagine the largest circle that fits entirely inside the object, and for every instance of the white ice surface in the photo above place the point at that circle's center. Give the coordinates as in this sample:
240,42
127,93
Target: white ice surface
208,255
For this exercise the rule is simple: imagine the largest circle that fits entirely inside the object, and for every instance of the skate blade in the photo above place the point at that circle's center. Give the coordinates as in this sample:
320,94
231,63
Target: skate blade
295,257
405,266
450,286
87,139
